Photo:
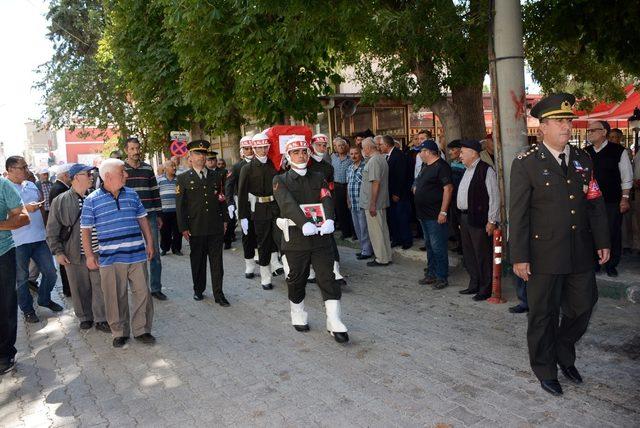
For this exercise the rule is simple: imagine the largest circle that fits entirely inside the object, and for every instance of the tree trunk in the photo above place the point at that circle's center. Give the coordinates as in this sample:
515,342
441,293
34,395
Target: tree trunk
450,119
467,101
197,131
234,147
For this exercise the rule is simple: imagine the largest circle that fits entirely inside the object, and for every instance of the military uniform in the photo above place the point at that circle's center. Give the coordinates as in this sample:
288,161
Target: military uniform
557,221
201,209
231,190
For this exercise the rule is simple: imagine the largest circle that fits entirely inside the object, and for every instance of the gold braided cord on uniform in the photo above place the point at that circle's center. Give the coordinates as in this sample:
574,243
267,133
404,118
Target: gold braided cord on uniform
559,114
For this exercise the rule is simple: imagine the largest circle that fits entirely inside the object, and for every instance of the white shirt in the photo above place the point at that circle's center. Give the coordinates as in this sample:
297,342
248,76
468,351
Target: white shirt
490,181
556,154
624,166
198,171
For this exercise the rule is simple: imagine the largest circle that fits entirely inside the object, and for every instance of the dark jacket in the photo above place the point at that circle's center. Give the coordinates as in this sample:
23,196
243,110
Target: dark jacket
553,226
324,167
58,188
291,190
398,183
200,204
231,184
256,178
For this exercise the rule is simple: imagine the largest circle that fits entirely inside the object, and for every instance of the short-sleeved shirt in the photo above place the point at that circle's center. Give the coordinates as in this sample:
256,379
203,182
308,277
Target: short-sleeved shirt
429,186
34,231
143,180
340,168
120,239
354,183
376,169
9,200
168,193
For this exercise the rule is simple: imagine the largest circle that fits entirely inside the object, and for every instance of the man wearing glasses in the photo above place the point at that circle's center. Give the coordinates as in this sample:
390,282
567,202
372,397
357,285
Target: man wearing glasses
614,174
30,244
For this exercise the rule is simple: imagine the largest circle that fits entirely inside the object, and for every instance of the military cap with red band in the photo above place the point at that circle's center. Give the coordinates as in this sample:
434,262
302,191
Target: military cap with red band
319,138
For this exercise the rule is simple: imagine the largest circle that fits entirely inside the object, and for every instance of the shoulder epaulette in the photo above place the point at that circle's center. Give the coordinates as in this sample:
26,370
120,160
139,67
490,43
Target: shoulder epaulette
534,148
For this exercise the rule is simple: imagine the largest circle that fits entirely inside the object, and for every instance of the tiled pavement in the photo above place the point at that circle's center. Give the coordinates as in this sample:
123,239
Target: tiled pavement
417,357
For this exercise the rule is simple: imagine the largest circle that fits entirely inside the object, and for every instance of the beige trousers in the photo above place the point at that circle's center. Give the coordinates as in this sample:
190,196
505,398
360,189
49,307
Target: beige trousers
114,281
379,235
86,294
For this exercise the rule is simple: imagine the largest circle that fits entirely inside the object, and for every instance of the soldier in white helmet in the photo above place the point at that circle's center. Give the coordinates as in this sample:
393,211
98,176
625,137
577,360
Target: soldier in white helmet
307,221
256,202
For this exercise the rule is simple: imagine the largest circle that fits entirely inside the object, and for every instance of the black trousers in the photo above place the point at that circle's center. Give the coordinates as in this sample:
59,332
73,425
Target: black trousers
398,220
8,306
249,243
322,260
230,234
477,252
551,344
268,237
614,218
203,247
170,236
343,213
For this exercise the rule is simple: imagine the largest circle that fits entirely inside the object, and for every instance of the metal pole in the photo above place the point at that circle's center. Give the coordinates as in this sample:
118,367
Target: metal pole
509,102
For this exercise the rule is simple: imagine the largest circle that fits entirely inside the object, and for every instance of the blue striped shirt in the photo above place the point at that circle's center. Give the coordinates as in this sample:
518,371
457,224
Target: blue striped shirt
340,167
354,182
116,221
167,193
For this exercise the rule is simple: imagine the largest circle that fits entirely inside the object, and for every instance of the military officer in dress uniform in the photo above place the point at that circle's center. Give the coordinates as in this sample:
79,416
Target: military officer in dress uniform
304,242
231,187
202,219
256,202
318,163
557,221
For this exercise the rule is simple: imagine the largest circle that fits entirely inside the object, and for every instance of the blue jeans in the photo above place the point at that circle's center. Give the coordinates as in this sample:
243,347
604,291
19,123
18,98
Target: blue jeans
155,266
435,239
360,226
521,291
41,255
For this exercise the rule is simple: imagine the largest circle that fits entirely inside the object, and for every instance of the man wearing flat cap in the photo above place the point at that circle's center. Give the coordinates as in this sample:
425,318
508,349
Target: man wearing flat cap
202,217
557,221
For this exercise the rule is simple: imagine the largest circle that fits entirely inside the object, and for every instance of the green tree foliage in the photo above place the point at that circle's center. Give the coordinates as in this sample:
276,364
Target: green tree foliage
80,88
589,47
423,49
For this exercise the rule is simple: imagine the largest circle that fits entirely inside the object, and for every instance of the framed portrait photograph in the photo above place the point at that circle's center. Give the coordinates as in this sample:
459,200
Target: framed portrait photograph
314,212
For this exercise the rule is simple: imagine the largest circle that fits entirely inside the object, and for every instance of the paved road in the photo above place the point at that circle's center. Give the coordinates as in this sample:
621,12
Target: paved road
417,357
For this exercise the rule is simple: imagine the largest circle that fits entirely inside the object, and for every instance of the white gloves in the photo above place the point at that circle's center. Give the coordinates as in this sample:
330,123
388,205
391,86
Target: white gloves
327,227
309,229
231,210
244,223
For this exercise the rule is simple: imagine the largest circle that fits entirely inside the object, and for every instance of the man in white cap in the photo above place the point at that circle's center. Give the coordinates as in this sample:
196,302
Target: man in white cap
256,202
307,242
231,191
318,163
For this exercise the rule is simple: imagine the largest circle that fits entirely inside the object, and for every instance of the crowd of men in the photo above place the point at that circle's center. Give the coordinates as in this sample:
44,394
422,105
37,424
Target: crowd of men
107,230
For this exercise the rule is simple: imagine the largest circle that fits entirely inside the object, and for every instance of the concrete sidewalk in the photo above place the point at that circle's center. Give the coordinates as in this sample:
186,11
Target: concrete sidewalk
417,357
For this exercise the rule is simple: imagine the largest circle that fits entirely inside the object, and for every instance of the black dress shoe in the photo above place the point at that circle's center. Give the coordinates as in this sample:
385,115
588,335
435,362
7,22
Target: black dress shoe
250,275
159,295
278,272
119,342
146,338
552,386
440,284
301,328
178,253
373,263
103,327
227,245
53,306
427,280
341,281
612,272
163,253
571,373
7,366
422,248
222,301
481,297
86,325
518,309
198,296
395,244
467,291
361,256
267,286
340,337
31,318
407,246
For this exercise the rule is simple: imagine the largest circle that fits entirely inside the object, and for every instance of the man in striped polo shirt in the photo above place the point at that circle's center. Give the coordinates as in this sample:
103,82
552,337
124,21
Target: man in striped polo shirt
118,216
141,178
170,236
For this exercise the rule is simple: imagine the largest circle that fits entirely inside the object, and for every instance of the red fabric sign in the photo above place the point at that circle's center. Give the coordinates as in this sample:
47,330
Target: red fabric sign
278,137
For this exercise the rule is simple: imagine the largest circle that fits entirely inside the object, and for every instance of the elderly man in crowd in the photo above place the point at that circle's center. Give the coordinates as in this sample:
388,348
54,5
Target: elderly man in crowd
354,183
374,200
170,236
44,185
13,215
141,178
61,185
30,244
63,237
433,191
478,201
119,217
341,161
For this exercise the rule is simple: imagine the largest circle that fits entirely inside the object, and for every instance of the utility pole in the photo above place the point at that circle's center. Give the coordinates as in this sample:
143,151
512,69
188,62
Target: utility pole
506,67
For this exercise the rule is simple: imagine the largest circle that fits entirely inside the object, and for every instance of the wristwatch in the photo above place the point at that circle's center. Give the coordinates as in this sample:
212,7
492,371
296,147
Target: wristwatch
625,196
443,213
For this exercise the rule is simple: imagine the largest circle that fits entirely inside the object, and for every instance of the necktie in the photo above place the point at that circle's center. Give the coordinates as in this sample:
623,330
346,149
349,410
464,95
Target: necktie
202,174
563,164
